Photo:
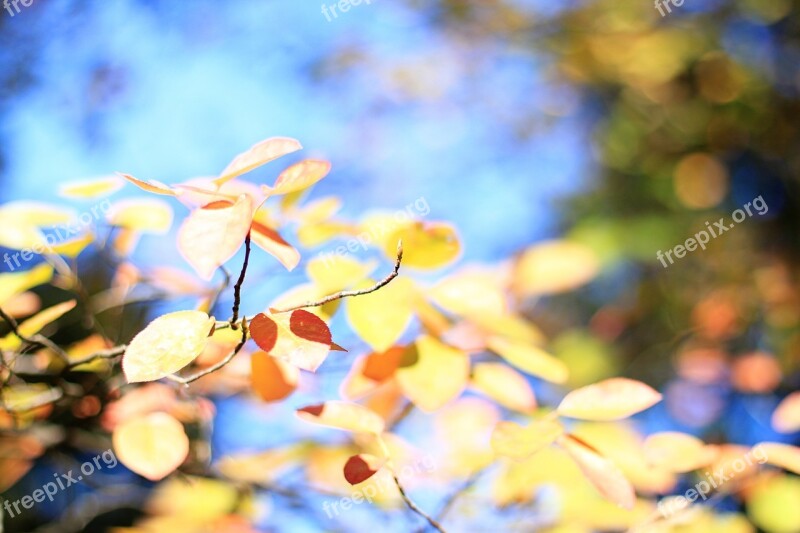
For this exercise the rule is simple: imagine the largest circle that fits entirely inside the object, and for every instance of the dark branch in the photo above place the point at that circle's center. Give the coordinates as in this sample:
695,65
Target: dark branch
237,289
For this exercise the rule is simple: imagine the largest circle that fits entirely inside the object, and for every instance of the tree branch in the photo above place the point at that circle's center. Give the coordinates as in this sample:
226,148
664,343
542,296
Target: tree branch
346,294
237,289
35,340
103,354
413,506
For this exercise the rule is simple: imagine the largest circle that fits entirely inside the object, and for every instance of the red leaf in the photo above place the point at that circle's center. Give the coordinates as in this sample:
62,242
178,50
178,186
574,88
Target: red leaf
360,468
264,332
309,326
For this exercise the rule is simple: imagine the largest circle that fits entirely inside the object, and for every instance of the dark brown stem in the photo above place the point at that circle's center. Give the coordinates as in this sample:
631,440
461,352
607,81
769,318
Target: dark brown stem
346,294
35,340
103,354
413,506
237,289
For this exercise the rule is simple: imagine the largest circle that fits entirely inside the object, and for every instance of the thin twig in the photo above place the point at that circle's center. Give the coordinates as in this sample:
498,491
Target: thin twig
35,340
346,294
103,354
451,500
213,368
237,289
413,506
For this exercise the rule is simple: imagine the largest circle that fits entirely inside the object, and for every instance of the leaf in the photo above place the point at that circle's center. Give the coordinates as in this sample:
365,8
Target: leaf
90,189
152,445
259,154
509,439
677,452
426,245
612,399
300,338
781,455
298,177
13,283
470,293
153,186
214,233
432,373
603,474
530,359
167,344
149,215
343,415
381,317
73,247
361,467
272,379
36,323
271,242
504,385
554,266
335,273
786,417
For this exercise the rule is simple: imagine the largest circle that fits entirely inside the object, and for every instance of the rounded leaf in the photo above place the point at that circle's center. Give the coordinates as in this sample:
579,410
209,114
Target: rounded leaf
152,445
612,399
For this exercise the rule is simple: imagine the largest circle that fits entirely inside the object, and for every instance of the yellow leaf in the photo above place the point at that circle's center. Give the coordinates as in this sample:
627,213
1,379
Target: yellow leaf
167,344
603,474
90,189
504,385
37,214
271,242
263,467
343,415
786,418
426,245
677,452
298,177
152,445
432,373
35,324
470,292
783,456
530,359
214,233
336,272
772,505
73,247
153,186
259,154
13,283
509,439
141,214
554,266
612,399
381,317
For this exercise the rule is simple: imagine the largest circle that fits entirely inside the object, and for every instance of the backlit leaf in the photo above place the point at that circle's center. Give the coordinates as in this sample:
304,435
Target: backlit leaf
603,474
89,189
34,324
334,273
361,467
612,399
167,344
153,186
381,317
432,373
13,283
298,177
786,417
212,234
427,245
259,154
343,415
272,379
152,445
781,455
530,359
554,266
677,452
504,385
149,215
299,338
271,242
509,439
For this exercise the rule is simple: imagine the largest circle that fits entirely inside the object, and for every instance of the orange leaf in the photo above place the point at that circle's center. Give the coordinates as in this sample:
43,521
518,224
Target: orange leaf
152,445
603,474
786,418
612,399
343,415
360,468
271,242
272,378
259,154
214,233
300,338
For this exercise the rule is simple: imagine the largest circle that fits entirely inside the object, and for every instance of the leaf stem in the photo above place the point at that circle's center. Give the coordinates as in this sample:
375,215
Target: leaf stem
237,289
